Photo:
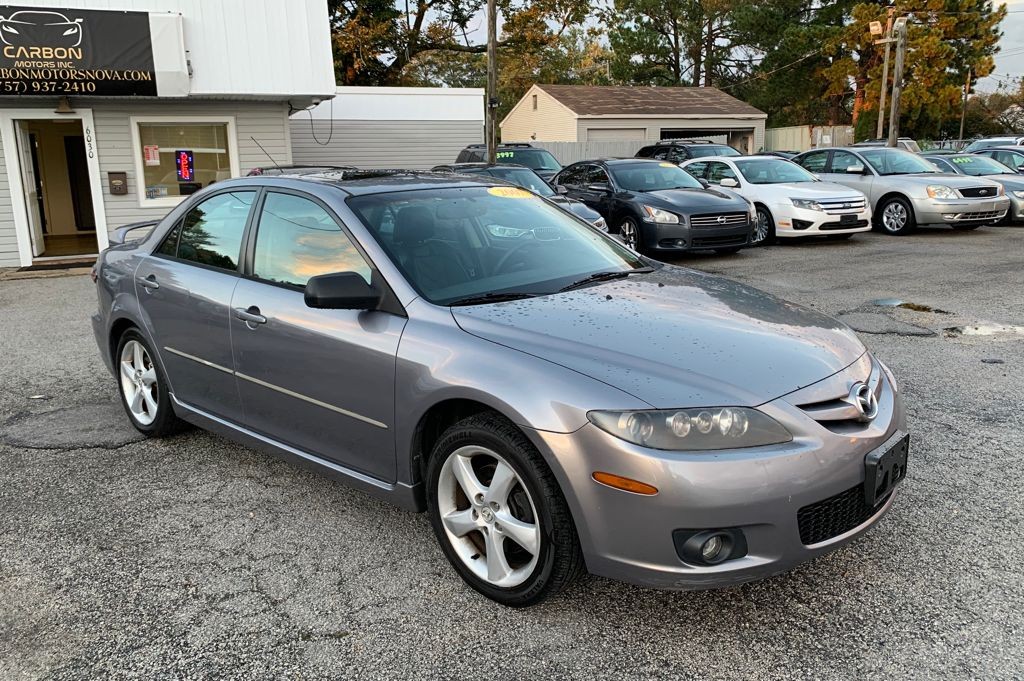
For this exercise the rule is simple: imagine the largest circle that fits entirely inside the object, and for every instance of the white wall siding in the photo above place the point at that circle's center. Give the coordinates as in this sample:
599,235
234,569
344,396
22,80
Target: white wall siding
401,104
8,239
244,47
551,121
382,144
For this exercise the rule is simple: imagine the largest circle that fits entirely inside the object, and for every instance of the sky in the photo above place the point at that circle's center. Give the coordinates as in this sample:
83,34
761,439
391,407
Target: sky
1010,60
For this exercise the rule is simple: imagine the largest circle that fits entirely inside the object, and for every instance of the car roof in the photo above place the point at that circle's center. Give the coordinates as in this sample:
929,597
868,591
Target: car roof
618,161
683,143
1019,149
364,182
480,166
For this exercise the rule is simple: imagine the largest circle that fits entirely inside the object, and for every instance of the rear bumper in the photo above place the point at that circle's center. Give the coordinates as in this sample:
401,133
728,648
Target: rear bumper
960,211
759,491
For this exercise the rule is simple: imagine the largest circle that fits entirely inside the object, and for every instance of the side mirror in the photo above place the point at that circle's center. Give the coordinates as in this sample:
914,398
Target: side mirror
704,183
561,189
729,183
857,169
602,187
341,291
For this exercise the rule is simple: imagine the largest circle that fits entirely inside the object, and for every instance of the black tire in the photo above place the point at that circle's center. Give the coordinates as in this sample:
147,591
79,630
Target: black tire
165,422
965,228
631,223
769,239
895,227
727,251
839,237
559,559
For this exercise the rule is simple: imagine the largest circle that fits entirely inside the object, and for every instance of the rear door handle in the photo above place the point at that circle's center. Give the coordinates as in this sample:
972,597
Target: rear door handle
149,282
250,316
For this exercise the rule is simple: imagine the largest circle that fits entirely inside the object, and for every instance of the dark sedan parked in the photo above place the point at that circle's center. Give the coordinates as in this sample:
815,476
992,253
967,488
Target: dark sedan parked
526,178
658,207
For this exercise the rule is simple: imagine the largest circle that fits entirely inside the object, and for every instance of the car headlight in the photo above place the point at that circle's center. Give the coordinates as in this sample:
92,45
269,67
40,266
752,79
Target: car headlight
1019,193
600,224
659,215
809,204
699,429
939,191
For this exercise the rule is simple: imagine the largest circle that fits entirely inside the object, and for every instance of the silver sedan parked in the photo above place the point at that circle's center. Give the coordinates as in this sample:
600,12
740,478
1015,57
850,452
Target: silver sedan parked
905,190
555,402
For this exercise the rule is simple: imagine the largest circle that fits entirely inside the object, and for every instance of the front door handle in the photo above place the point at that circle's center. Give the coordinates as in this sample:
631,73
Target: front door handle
149,282
250,316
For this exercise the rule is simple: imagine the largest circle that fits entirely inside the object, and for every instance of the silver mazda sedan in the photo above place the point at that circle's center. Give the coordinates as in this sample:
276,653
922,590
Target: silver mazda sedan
555,402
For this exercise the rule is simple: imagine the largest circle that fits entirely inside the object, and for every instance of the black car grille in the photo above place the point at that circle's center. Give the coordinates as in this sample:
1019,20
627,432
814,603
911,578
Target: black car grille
978,192
843,225
719,220
986,215
719,241
832,517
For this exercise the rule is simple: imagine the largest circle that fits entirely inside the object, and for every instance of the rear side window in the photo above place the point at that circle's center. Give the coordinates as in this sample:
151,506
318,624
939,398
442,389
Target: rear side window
814,161
298,239
645,152
211,233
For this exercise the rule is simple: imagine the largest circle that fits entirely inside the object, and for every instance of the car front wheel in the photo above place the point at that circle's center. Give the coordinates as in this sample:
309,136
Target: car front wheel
896,216
498,513
764,228
629,230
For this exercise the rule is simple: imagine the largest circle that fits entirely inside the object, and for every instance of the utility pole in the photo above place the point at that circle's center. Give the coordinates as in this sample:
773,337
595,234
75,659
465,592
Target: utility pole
963,113
900,26
887,41
490,127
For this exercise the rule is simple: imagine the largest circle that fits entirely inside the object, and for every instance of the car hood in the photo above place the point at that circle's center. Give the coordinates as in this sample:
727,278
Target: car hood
1009,182
947,179
814,190
674,338
692,199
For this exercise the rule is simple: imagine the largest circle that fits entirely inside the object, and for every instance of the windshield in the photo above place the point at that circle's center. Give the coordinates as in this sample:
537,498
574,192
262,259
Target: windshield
979,165
702,150
524,178
773,171
456,243
896,162
987,144
536,159
651,177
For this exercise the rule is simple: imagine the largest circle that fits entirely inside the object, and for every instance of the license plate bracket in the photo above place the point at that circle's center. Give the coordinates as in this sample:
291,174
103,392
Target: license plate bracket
847,219
885,467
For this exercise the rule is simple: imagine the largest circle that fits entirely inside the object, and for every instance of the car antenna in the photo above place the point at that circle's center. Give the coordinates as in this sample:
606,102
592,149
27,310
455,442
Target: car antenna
265,152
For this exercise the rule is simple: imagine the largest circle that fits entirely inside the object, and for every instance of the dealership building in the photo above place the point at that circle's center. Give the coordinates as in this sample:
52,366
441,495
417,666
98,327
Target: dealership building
114,111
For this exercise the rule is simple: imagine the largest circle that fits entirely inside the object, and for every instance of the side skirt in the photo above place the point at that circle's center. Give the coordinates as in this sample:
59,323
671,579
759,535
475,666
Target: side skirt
408,497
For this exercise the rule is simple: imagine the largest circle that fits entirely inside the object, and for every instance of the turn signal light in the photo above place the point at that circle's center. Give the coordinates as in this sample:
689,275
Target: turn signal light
626,484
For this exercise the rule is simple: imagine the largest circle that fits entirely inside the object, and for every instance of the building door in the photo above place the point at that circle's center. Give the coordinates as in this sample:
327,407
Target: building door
31,184
78,180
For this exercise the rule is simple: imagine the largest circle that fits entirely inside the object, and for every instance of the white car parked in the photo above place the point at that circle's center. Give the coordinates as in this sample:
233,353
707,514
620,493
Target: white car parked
789,200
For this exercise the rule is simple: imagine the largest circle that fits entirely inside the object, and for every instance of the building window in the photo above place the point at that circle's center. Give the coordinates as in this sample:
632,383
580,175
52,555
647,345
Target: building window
177,156
535,102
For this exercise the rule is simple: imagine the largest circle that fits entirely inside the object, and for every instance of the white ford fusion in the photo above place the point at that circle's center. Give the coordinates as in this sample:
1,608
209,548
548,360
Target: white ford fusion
789,200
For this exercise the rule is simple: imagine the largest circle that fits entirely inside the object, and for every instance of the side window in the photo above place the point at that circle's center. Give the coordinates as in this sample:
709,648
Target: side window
297,239
662,153
814,161
677,154
596,175
718,171
698,169
211,233
573,175
170,243
841,160
645,152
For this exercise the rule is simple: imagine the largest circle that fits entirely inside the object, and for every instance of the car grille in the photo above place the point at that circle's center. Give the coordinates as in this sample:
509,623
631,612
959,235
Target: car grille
719,241
843,225
838,413
719,220
840,206
984,215
834,516
979,192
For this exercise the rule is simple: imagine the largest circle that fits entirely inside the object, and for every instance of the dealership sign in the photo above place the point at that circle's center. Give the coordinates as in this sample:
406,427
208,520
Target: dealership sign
80,52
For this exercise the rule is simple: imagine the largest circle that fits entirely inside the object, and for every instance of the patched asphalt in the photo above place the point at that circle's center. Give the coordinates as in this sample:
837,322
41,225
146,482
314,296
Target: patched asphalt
193,557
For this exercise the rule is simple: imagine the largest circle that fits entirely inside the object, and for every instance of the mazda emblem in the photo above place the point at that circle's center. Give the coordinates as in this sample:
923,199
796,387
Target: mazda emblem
863,397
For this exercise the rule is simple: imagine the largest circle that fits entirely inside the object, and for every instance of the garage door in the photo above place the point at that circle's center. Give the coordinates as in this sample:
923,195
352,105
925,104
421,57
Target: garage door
606,134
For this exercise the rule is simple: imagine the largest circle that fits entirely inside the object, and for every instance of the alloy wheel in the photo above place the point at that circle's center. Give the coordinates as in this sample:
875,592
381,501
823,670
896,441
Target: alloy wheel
761,227
138,382
489,516
629,233
894,216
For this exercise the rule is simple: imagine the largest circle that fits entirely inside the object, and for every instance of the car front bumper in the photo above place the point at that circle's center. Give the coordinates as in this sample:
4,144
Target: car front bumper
759,491
671,238
960,211
793,221
1016,208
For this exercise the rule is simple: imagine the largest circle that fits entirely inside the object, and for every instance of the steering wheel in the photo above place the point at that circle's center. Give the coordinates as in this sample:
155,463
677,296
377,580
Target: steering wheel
505,259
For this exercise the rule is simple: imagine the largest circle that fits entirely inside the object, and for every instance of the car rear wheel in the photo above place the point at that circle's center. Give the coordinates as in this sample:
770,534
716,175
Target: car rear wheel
630,233
499,514
143,388
896,217
764,228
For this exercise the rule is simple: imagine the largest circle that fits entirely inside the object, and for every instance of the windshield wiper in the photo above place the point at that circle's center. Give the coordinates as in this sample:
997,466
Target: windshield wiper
485,298
605,276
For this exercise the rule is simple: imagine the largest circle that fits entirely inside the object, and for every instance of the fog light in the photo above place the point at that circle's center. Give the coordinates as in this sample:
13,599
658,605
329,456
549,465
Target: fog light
711,548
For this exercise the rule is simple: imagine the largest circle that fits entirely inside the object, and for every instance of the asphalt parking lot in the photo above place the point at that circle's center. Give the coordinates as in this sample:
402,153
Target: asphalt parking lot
193,557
